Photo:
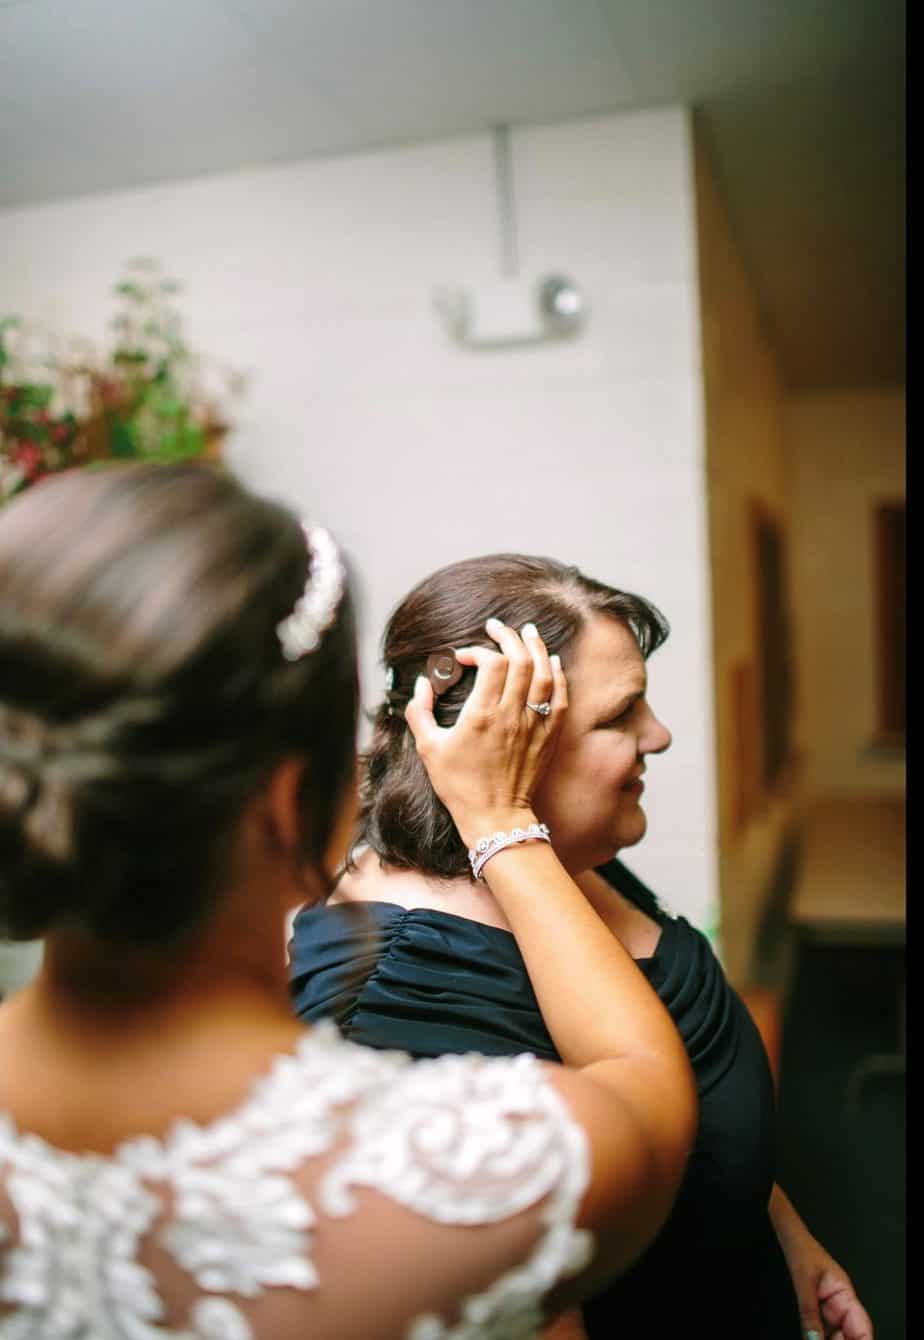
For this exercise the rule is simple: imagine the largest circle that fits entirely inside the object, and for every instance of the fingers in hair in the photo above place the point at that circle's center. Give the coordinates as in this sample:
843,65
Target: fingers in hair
419,714
491,667
519,666
542,683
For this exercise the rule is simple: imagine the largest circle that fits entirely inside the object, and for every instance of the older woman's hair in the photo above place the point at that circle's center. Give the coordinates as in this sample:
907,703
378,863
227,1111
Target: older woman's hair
144,696
401,817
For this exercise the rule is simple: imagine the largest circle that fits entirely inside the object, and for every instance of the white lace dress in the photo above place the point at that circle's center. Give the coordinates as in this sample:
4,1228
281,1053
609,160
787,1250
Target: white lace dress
353,1195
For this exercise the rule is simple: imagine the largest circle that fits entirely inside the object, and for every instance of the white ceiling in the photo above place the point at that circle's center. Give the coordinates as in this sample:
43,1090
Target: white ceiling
801,103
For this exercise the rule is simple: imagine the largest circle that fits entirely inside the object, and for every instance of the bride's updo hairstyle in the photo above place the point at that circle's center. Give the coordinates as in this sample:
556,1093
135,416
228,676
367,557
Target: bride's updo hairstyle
401,817
145,697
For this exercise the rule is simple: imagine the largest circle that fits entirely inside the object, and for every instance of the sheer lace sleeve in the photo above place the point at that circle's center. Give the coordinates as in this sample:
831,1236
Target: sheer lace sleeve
464,1141
354,1194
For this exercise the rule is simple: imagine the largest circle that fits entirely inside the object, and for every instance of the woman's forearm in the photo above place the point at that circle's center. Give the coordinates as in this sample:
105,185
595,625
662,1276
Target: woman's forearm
600,1011
595,1002
787,1222
828,1302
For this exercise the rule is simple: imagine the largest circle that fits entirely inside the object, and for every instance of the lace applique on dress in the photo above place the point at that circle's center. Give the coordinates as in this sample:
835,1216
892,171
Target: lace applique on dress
459,1140
239,1223
468,1141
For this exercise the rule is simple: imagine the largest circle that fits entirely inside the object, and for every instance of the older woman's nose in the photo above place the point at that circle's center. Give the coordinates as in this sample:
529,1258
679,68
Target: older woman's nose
656,737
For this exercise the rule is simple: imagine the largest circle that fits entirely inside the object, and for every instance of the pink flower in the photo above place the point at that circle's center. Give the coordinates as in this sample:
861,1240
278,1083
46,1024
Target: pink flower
29,460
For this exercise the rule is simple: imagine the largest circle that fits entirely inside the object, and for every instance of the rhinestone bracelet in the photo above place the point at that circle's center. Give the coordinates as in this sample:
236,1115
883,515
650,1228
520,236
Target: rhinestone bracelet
486,847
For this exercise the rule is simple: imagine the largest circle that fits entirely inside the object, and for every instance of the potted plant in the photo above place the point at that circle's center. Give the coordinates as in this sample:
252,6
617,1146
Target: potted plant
148,398
37,435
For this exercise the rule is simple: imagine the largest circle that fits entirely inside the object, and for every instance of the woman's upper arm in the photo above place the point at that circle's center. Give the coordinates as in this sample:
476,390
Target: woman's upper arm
631,1185
558,1176
558,1182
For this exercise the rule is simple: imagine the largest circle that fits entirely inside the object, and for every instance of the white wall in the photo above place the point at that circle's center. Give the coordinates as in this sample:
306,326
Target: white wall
319,277
846,452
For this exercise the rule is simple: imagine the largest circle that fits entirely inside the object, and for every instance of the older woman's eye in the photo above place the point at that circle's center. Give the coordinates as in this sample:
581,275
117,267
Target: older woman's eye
621,719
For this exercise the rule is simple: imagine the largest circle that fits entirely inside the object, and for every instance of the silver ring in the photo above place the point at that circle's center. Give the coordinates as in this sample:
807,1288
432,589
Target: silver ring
542,708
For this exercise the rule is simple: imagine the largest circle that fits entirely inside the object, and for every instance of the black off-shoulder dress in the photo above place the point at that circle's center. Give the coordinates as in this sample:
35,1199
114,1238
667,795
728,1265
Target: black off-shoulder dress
428,982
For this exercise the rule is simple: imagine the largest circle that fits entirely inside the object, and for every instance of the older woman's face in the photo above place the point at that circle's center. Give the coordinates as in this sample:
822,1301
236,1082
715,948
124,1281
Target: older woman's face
591,795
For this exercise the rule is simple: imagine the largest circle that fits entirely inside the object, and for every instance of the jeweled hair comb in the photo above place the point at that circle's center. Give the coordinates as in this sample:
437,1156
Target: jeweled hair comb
316,608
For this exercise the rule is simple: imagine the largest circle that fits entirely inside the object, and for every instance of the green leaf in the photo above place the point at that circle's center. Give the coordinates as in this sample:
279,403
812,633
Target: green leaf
182,444
36,394
25,430
122,439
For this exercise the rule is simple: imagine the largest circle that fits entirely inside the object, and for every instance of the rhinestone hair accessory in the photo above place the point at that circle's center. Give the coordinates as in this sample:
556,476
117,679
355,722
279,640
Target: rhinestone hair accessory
300,632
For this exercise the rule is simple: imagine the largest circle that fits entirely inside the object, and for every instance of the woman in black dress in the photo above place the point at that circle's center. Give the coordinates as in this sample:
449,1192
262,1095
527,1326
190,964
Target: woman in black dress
433,968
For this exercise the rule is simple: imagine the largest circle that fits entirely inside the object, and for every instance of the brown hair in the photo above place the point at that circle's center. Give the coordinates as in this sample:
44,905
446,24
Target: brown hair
144,697
401,817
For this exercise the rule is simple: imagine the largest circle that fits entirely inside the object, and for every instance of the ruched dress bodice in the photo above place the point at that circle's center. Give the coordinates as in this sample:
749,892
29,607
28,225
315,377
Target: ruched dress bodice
428,982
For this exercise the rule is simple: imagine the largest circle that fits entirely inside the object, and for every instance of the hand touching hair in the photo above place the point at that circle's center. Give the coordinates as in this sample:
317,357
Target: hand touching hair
401,817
